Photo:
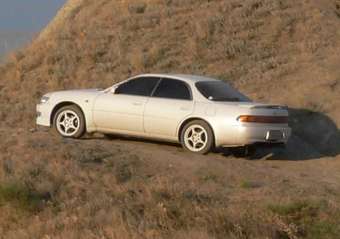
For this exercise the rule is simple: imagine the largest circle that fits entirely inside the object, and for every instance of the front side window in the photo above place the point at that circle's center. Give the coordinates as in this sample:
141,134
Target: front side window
173,89
220,91
140,87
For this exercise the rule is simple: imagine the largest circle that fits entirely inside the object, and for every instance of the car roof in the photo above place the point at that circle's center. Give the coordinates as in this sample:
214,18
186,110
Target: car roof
183,77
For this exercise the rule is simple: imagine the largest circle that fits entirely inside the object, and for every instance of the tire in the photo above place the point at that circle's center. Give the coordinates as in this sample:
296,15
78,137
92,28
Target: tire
197,137
69,122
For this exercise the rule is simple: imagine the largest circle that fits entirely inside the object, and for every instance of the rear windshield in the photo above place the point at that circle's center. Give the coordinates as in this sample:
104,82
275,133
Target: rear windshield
220,91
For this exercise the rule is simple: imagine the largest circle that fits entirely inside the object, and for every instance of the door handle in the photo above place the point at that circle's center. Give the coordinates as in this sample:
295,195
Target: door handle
137,103
184,109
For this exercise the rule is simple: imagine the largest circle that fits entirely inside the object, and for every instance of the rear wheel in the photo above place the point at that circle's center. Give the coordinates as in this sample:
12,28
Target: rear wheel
197,137
69,122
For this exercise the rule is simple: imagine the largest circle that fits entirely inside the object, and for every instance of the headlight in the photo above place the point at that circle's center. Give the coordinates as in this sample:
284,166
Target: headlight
44,99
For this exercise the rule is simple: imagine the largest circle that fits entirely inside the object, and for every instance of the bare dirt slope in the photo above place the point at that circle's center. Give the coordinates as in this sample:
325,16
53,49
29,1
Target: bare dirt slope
279,51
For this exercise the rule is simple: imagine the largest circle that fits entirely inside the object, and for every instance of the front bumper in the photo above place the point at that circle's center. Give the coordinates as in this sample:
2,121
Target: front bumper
43,115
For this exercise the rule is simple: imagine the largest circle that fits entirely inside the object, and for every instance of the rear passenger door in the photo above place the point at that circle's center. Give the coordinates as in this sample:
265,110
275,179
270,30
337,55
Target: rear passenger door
170,103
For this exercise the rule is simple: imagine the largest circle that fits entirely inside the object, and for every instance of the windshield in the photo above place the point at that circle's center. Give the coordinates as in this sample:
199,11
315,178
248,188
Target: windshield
220,91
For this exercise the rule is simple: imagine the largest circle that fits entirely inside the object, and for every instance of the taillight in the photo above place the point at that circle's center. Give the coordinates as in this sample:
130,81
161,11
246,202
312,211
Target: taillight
263,119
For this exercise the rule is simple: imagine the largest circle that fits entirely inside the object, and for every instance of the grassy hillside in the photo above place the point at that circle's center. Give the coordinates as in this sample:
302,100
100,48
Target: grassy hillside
277,51
280,51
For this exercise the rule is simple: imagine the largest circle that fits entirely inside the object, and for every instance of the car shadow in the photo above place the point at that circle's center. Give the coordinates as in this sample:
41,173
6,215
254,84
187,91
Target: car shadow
315,136
140,140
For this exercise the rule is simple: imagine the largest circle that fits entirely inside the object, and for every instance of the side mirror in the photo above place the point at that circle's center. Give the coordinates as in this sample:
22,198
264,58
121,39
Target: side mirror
113,90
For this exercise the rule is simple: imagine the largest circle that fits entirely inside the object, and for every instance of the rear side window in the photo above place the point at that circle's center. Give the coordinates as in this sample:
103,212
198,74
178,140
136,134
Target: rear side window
173,89
220,91
140,87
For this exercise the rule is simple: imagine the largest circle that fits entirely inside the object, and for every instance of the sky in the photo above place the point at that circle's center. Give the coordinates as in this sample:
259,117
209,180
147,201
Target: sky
27,15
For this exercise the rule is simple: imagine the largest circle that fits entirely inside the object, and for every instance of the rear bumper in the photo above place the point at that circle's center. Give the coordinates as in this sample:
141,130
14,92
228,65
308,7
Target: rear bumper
43,115
259,134
252,135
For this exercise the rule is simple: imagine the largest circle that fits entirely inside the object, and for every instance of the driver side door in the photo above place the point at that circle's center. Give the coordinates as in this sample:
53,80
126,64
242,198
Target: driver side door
123,110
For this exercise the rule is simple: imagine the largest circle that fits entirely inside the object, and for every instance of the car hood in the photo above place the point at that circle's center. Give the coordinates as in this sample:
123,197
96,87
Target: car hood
74,94
77,91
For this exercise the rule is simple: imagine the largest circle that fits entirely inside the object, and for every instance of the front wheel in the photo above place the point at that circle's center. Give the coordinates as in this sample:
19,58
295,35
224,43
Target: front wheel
197,137
69,122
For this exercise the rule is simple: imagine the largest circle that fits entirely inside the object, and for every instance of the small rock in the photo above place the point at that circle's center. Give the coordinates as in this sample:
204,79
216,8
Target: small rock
33,130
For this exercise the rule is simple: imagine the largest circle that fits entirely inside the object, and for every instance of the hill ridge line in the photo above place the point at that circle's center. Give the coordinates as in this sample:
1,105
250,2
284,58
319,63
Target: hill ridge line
63,15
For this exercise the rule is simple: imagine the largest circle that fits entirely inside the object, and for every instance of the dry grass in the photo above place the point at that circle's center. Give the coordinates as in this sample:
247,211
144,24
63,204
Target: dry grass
115,189
279,51
257,45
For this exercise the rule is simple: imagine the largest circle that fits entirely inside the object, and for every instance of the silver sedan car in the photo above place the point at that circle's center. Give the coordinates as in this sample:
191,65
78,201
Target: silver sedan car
198,112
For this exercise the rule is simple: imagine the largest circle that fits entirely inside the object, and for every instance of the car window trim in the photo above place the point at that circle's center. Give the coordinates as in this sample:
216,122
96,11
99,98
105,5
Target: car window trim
185,83
156,86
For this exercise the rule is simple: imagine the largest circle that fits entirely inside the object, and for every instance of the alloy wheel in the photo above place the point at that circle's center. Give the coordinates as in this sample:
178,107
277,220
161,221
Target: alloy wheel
68,123
195,138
